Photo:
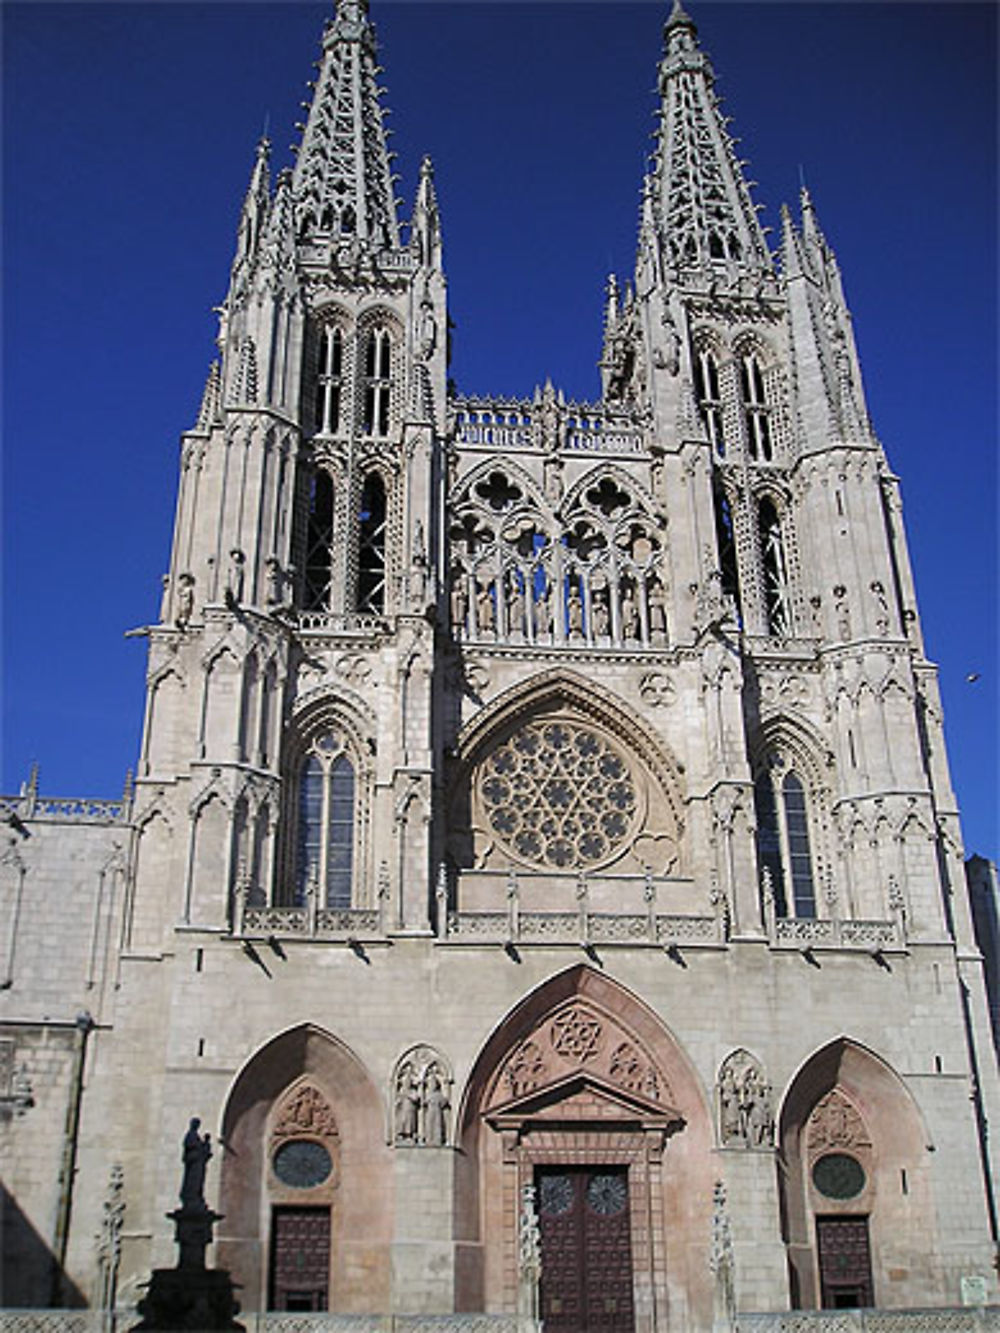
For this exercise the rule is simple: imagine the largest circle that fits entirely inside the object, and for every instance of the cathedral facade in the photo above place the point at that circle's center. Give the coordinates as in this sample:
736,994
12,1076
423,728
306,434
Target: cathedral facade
542,875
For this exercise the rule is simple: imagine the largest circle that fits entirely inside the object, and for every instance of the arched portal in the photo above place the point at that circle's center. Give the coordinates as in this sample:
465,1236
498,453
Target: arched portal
306,1173
854,1183
582,1093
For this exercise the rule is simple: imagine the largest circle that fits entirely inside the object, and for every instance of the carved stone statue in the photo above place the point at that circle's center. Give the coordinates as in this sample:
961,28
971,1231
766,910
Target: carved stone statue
484,607
515,607
745,1118
459,601
185,600
657,610
575,613
436,1105
197,1149
600,612
407,1106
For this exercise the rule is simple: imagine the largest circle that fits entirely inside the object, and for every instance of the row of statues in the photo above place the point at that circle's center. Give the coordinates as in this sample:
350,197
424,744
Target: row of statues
529,606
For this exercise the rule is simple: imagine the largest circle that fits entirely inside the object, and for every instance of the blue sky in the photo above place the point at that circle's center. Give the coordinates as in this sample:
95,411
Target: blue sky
128,137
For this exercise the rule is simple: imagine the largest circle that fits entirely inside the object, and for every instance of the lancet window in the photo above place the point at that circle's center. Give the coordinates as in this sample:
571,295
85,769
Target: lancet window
706,379
371,546
774,570
597,579
377,383
319,543
325,810
725,535
756,411
784,846
329,381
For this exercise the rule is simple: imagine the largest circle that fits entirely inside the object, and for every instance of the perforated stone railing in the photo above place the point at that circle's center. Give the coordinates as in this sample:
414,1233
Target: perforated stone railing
324,922
657,930
803,933
67,809
971,1319
328,622
97,1321
515,423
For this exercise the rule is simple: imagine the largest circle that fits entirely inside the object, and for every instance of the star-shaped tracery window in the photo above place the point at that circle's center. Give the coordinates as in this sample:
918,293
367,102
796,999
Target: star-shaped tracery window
558,795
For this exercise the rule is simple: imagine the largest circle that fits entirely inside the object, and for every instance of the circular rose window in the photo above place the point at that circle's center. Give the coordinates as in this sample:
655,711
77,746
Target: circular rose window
302,1164
558,795
839,1176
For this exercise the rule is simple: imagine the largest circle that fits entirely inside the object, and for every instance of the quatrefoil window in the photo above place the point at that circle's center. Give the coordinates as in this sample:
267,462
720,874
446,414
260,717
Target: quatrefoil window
558,795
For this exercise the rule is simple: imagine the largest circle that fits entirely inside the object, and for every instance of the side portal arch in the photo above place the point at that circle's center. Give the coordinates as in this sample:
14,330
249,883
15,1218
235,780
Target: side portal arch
303,1147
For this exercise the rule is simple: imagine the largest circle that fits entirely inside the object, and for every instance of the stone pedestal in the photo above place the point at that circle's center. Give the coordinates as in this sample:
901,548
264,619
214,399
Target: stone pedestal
190,1296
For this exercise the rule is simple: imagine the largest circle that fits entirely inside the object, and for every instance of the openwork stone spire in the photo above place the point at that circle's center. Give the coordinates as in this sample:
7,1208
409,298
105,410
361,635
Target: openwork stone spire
706,217
342,181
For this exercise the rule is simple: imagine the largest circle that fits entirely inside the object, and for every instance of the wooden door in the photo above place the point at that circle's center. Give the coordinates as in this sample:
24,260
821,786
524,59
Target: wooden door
845,1265
300,1259
586,1249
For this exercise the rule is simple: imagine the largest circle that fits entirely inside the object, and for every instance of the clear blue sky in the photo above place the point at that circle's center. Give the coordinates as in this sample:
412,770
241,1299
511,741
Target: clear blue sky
129,132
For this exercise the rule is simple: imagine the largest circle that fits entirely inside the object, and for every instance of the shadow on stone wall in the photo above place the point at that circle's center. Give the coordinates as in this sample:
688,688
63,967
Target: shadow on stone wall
29,1274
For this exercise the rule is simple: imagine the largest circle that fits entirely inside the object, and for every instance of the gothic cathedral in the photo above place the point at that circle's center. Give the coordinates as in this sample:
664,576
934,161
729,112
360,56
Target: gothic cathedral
542,875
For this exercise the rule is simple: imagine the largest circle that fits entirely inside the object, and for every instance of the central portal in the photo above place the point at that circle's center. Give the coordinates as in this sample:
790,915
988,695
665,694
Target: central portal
586,1249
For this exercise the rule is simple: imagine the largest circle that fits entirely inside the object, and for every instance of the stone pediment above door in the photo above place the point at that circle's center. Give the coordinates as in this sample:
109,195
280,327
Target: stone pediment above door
580,1099
580,1063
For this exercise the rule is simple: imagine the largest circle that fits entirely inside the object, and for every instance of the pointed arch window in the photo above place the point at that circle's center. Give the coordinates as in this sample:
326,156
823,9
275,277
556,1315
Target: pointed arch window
783,841
324,850
319,543
329,381
725,535
755,409
378,383
774,569
371,546
706,379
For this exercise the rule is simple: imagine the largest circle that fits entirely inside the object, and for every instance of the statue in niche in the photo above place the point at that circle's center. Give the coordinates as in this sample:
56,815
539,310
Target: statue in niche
234,588
407,1105
484,607
745,1118
197,1149
630,614
421,1100
436,1105
515,606
459,600
599,609
185,600
729,1105
543,612
428,330
657,610
575,613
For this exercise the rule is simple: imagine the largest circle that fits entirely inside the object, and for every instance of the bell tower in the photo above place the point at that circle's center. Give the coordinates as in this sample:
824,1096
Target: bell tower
303,568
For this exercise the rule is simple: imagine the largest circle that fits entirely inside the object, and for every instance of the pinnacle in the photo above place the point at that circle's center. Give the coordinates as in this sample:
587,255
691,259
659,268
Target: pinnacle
678,17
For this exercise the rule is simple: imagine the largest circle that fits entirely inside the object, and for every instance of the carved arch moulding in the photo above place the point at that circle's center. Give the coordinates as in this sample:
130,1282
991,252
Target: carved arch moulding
583,1075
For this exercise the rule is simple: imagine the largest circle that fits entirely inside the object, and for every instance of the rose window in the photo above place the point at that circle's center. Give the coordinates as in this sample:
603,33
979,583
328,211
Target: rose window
558,795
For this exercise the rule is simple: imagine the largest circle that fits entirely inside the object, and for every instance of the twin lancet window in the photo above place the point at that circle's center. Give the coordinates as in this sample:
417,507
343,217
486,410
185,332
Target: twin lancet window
783,845
324,853
335,358
753,398
369,543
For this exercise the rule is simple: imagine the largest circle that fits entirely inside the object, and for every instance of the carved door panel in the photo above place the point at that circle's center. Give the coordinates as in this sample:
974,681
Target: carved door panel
845,1266
586,1250
300,1259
